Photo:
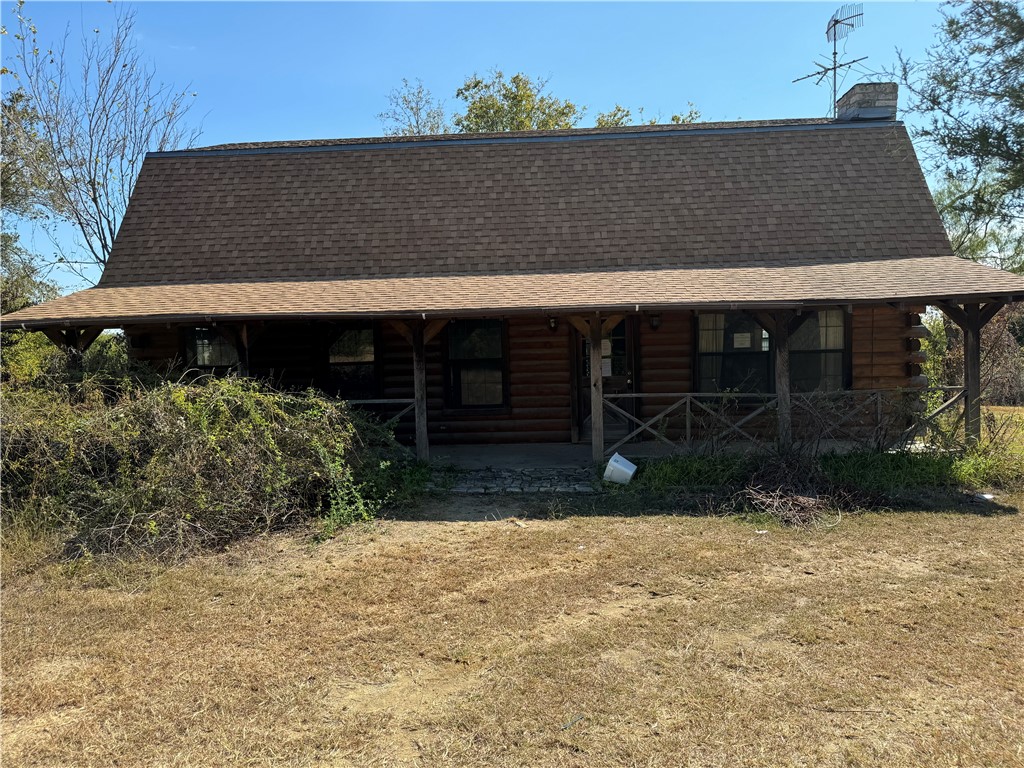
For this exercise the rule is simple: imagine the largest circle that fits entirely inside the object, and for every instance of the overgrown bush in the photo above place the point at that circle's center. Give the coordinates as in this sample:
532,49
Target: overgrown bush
801,488
180,467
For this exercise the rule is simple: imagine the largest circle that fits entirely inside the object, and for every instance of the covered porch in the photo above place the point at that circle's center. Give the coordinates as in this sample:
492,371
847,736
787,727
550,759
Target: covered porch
624,408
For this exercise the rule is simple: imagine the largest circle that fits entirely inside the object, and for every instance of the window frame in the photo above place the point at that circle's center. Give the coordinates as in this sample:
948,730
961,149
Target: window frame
332,334
699,356
452,383
847,352
188,346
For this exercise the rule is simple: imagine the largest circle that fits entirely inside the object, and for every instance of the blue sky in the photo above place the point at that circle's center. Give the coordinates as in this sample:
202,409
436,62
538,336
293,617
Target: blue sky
275,70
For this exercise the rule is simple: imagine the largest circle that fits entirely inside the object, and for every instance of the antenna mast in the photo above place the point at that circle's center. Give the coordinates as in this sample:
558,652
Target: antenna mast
848,18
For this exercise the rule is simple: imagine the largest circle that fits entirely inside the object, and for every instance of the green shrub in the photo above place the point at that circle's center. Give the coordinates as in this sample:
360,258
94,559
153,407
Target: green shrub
877,472
694,472
186,466
27,356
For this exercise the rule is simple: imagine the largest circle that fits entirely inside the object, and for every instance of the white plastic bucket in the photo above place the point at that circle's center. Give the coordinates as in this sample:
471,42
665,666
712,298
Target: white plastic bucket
619,470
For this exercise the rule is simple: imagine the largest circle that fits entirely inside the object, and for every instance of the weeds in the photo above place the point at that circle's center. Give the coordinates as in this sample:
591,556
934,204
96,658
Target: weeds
801,489
183,467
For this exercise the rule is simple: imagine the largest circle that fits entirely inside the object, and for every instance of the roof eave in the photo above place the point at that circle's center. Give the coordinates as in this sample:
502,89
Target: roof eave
122,321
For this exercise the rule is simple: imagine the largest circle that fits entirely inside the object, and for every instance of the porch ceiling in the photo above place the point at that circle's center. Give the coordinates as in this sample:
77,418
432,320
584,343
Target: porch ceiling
911,280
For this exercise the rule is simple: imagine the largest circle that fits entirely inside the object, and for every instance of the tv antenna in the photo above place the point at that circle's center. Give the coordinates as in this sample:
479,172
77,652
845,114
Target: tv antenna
848,18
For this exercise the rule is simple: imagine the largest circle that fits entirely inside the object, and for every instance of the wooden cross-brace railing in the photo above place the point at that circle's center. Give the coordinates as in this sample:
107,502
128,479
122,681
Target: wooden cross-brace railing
833,411
409,403
959,396
808,402
689,399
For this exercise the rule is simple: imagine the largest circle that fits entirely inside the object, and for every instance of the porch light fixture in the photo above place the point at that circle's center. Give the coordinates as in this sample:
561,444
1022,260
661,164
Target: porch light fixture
553,323
655,321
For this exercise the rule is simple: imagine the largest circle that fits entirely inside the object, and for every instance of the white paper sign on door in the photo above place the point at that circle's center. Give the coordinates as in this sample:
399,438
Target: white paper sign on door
606,367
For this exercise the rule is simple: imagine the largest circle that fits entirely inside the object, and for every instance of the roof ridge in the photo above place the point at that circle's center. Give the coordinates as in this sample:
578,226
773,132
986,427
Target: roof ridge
616,132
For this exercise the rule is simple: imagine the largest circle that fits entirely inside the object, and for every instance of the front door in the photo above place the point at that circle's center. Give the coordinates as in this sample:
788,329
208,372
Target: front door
618,368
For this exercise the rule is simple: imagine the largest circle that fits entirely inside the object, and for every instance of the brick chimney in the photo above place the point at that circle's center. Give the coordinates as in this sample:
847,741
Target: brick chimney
868,101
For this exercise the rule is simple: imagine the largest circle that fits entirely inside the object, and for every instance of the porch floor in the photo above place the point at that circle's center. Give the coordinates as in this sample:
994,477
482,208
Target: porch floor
520,456
529,468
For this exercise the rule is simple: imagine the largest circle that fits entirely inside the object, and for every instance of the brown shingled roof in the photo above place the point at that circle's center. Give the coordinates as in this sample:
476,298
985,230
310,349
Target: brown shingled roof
773,212
645,200
767,285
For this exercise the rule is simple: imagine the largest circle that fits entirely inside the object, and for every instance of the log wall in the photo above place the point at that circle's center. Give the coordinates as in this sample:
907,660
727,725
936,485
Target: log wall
883,349
539,380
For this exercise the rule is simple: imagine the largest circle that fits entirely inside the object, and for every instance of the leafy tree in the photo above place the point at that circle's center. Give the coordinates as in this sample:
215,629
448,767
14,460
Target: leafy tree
412,111
620,115
96,119
517,104
501,104
23,281
24,191
977,237
970,92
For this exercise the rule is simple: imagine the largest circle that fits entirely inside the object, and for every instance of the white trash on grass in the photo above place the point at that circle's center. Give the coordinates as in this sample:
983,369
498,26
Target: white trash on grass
619,470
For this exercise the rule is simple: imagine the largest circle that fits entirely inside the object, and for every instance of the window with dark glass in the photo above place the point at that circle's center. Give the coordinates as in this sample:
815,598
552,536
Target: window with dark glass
476,363
207,348
817,352
352,359
732,353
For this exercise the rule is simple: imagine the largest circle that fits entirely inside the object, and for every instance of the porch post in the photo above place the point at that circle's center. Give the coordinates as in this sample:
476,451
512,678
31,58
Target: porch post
971,319
596,392
74,342
972,372
785,406
419,377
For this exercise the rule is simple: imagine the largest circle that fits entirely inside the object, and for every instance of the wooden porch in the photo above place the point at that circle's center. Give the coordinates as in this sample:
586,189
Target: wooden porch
880,417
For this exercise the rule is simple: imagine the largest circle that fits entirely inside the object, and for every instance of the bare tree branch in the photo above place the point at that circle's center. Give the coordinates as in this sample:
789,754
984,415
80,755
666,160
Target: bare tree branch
96,125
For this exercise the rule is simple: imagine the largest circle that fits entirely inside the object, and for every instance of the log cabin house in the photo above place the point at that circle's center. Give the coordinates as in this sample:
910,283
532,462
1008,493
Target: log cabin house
593,285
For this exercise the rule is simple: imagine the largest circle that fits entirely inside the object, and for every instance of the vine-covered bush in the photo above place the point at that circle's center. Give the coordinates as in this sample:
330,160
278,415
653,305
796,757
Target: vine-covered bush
180,467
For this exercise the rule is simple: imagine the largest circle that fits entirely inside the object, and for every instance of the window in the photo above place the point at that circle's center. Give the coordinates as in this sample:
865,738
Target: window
817,352
732,353
352,361
476,363
207,348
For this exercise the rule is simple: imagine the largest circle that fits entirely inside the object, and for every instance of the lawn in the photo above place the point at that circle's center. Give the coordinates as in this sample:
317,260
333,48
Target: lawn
891,639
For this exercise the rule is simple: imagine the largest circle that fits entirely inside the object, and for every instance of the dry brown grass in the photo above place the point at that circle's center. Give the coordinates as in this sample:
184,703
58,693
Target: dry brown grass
890,640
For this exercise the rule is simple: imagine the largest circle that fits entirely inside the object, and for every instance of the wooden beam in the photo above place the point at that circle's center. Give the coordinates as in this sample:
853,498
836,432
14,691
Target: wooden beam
989,311
972,371
56,336
86,336
954,313
419,377
971,318
785,406
433,328
580,324
243,348
797,320
402,328
596,392
611,322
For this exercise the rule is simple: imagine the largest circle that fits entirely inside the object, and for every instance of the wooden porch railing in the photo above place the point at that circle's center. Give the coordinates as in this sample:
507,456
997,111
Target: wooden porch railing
691,403
408,402
881,418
